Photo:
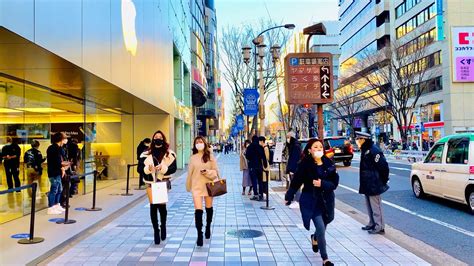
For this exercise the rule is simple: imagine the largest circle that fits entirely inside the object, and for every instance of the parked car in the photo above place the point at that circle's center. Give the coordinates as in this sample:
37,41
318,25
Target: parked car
447,171
338,148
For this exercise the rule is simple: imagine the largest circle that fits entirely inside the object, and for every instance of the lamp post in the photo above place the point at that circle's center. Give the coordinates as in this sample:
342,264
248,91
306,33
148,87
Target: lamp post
246,51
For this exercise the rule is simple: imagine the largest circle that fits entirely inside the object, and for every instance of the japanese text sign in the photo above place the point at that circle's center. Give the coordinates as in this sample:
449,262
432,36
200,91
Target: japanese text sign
462,39
308,78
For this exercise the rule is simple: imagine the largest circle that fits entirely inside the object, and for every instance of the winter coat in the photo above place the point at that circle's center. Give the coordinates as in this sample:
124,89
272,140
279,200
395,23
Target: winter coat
141,160
33,159
294,155
315,201
374,171
196,181
168,167
255,155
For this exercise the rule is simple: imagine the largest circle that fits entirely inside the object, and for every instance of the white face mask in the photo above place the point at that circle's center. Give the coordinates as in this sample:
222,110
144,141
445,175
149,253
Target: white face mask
200,146
318,154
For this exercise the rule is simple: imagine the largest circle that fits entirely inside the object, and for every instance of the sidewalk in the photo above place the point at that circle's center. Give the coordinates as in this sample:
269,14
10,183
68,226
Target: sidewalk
128,240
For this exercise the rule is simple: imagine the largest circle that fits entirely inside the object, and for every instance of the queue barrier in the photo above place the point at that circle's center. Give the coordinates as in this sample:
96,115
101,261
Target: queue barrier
34,187
128,180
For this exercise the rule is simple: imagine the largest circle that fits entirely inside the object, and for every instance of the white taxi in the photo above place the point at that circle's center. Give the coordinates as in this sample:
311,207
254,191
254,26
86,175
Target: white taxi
447,171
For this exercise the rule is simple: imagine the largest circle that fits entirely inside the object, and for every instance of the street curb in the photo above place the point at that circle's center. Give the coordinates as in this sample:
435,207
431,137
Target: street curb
417,247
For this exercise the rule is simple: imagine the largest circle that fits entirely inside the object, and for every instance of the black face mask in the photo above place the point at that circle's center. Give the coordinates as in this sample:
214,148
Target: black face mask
158,142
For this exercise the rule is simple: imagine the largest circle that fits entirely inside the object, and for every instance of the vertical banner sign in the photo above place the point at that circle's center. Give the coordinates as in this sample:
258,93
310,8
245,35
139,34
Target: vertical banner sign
250,102
439,19
308,78
462,49
240,122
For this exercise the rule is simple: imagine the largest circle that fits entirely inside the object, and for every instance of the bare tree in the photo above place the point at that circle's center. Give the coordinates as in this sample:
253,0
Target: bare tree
395,78
239,75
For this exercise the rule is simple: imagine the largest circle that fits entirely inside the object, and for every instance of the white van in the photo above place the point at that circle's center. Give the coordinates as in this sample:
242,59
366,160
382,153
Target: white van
447,171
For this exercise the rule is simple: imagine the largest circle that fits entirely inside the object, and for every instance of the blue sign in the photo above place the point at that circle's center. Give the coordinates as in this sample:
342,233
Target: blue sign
250,102
234,131
240,122
54,220
377,131
439,19
80,209
21,236
293,61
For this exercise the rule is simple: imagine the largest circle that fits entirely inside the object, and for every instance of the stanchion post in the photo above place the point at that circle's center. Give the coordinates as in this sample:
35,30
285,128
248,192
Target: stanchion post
128,181
94,193
32,239
267,207
66,214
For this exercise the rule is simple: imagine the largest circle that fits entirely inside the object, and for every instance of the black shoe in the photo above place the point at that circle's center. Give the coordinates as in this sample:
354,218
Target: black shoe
260,198
376,232
156,236
254,198
163,232
328,263
315,246
368,227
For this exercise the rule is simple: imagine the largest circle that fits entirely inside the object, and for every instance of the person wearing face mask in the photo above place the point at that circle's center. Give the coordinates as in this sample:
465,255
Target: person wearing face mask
201,170
159,165
373,178
142,146
319,176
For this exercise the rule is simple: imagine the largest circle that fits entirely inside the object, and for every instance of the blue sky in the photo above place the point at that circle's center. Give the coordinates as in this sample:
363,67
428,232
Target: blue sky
302,13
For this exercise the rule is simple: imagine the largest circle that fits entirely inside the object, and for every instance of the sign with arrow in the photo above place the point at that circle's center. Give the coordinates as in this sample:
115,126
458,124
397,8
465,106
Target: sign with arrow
308,78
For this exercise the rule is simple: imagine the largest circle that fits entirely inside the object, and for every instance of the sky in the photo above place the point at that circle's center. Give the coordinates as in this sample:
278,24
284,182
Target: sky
302,13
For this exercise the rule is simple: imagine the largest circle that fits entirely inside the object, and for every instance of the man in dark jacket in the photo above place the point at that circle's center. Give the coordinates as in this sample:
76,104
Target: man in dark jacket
256,163
33,160
293,151
143,146
11,161
374,172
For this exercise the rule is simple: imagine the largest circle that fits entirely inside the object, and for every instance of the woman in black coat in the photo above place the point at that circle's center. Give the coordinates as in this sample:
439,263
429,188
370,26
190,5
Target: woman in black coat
319,176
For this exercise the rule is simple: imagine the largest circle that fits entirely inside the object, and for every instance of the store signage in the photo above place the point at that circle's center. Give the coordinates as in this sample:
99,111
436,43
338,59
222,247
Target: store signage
72,130
308,78
129,14
462,49
278,154
251,102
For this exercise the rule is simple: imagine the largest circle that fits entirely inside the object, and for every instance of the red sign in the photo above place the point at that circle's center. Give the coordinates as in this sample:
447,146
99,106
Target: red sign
308,78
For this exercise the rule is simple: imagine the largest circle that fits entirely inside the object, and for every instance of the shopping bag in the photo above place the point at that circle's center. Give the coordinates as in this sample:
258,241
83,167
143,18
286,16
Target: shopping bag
159,193
216,188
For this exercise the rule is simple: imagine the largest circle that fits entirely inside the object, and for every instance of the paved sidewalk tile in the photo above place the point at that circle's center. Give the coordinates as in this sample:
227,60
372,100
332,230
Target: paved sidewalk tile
128,240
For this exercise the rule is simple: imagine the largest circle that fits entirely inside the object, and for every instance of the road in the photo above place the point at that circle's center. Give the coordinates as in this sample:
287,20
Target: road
437,222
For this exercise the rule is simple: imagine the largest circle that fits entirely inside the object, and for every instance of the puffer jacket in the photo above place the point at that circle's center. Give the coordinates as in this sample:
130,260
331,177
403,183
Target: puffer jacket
374,170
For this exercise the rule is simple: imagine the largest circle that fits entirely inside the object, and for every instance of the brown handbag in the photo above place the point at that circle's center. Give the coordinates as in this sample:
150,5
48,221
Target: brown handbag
216,188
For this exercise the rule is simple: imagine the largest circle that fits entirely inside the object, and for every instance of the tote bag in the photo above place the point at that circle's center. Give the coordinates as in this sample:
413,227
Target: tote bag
159,193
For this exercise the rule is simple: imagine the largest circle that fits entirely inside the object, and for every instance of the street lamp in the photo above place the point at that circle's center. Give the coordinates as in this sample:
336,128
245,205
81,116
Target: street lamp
258,42
275,50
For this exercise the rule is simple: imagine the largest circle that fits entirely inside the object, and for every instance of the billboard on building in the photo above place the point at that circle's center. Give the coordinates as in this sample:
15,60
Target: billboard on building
462,53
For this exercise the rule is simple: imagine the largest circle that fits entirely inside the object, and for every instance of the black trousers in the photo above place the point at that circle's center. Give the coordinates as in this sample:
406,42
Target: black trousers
256,175
12,172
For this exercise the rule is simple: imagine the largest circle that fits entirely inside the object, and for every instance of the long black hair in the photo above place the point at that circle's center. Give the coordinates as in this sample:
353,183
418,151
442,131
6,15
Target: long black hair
306,154
160,152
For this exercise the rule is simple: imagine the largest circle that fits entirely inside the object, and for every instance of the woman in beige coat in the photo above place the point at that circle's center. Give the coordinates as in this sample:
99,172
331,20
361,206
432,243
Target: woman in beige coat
202,169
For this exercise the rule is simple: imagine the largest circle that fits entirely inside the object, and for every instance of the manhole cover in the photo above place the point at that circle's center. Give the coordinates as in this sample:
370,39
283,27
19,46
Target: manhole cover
245,233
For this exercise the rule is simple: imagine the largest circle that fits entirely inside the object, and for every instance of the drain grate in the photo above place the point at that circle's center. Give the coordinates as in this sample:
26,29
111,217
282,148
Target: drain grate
245,233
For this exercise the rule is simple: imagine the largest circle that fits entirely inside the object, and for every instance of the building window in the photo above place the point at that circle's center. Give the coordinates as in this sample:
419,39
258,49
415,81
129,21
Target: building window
421,64
405,7
416,21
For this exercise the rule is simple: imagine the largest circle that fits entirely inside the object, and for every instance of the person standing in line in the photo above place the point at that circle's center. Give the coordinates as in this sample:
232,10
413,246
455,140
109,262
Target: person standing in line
33,160
246,182
56,171
11,161
142,146
256,163
319,176
293,151
201,170
74,156
266,170
159,165
374,176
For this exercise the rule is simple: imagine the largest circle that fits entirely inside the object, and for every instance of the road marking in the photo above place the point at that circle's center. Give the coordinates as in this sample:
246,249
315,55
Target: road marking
400,168
438,222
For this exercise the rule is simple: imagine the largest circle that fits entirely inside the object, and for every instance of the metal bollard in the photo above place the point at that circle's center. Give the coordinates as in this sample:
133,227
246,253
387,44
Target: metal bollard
128,181
267,207
94,193
66,214
32,239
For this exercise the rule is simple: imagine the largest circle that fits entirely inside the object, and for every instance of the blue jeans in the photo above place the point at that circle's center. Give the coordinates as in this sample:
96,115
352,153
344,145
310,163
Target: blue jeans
320,234
54,194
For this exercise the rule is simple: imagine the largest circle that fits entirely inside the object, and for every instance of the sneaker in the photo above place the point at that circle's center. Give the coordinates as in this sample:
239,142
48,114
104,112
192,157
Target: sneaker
53,211
294,205
59,208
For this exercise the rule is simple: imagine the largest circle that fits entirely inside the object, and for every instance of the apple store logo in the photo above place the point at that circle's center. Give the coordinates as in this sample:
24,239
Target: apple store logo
129,13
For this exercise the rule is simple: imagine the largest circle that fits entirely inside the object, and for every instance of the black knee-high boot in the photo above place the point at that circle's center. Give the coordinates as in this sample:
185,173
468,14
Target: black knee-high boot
209,213
198,220
154,222
163,215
